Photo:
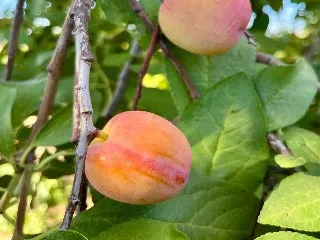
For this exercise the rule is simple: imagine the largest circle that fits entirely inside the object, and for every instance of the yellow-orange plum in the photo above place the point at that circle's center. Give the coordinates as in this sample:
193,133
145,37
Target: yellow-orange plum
205,27
140,158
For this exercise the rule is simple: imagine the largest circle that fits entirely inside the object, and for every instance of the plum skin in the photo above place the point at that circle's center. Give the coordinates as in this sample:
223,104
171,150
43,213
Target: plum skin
140,158
206,27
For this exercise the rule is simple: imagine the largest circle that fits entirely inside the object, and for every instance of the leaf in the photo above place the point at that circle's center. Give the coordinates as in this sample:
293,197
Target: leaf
295,204
227,133
285,236
4,182
143,229
121,14
65,235
57,131
7,98
288,161
56,168
28,99
205,72
206,209
305,144
286,92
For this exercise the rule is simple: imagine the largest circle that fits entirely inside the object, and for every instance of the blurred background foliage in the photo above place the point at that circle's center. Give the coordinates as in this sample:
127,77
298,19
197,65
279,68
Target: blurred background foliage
286,29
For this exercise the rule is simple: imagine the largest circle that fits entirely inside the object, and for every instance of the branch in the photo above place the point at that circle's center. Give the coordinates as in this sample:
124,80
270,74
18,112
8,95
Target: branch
312,50
8,194
277,145
14,38
173,59
268,59
54,72
123,80
81,13
250,38
145,66
26,179
268,184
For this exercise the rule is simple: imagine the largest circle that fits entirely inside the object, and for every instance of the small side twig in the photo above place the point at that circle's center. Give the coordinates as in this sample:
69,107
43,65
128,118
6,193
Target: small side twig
268,184
122,80
277,145
145,66
250,38
268,59
173,59
5,198
312,50
14,38
26,179
81,12
54,72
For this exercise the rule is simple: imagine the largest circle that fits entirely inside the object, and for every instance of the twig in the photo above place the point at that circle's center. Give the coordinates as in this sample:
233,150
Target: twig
81,13
268,184
145,66
123,80
26,179
14,38
277,145
268,59
250,38
173,59
54,72
312,50
8,194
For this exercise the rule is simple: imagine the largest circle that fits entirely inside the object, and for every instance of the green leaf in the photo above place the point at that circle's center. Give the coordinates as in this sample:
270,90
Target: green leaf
285,236
143,229
205,72
288,161
294,204
56,168
121,14
286,92
28,99
57,131
207,209
7,98
227,133
4,182
305,144
66,235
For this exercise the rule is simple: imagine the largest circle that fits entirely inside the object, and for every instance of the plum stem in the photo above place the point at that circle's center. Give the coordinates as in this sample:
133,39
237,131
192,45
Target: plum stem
145,66
14,38
173,59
